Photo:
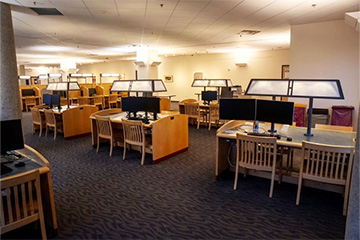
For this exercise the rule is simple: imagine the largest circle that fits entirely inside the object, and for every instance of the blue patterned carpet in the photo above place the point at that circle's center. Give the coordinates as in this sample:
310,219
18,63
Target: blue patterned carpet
102,197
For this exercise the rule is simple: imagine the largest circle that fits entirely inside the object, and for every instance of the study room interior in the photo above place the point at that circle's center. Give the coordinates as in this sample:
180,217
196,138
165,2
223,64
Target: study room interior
153,119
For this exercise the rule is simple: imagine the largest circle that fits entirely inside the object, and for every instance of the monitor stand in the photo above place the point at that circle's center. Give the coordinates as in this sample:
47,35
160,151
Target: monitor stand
272,130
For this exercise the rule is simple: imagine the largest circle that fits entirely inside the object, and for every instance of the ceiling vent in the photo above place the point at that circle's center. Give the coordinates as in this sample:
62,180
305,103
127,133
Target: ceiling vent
47,11
248,32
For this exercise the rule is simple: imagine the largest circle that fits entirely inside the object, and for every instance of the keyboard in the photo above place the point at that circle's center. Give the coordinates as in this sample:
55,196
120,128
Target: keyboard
263,134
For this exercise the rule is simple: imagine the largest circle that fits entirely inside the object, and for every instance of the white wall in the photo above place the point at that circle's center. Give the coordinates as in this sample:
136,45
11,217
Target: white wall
327,50
266,64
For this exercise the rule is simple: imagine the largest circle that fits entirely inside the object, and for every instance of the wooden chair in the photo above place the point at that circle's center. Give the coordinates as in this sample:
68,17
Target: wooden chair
83,101
134,134
38,120
21,202
105,131
29,102
259,153
328,164
98,101
213,114
112,100
334,127
192,109
52,122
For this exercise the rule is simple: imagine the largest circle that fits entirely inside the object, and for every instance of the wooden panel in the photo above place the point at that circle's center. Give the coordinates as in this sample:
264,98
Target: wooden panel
76,121
169,135
164,104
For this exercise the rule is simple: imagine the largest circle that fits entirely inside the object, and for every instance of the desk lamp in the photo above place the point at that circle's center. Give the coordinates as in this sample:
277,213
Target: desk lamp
218,83
64,86
301,88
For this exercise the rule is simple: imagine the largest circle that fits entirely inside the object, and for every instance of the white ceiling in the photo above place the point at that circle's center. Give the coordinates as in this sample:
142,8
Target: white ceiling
107,30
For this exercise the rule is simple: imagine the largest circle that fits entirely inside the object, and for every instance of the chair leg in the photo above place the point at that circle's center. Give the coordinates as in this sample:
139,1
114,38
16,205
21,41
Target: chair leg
124,154
198,122
98,144
272,184
209,124
40,130
346,198
46,132
55,131
111,147
299,190
236,175
143,155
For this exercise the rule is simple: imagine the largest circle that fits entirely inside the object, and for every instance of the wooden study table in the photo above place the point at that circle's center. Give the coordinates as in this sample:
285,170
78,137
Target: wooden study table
228,132
23,99
75,119
169,134
34,160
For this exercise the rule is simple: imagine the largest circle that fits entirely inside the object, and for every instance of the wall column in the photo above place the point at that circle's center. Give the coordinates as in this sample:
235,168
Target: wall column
9,85
147,56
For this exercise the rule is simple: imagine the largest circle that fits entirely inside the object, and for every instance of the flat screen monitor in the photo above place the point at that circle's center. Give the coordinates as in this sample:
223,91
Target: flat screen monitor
27,92
11,135
152,104
132,104
55,100
60,93
226,92
237,109
92,91
275,111
208,96
47,99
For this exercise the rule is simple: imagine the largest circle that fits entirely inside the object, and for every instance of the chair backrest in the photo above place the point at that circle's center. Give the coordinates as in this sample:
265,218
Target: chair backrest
35,114
30,101
49,117
133,132
334,127
83,100
112,98
214,111
21,200
326,163
192,109
188,100
98,99
104,127
256,152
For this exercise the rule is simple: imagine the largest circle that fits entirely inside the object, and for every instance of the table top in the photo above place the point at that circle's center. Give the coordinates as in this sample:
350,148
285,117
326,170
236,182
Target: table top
296,134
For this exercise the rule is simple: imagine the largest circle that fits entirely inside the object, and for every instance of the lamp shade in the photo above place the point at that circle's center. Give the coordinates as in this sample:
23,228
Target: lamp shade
211,83
63,86
143,85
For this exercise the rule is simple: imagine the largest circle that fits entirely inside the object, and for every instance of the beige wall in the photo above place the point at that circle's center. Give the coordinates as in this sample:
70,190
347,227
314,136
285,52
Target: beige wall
327,50
266,64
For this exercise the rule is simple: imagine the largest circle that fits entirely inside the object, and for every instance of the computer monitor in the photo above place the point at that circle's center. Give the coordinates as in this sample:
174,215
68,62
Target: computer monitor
275,111
27,92
237,109
92,91
11,135
152,104
226,92
55,100
60,93
208,96
132,105
47,99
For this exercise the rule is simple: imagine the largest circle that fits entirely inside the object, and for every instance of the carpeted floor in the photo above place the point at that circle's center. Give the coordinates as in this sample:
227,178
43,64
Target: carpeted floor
102,197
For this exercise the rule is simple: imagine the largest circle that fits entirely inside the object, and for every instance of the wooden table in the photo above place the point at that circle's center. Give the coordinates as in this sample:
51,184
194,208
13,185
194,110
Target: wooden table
34,160
23,105
228,132
75,119
170,135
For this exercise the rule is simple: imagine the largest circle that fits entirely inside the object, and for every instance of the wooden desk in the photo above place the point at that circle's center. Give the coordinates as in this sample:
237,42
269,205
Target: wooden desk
23,106
36,161
75,119
228,132
170,135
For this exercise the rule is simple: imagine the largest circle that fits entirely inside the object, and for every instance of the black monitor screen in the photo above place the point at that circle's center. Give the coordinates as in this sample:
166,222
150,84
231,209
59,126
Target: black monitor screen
60,93
92,91
146,104
237,109
275,111
11,135
209,95
27,92
47,99
132,104
152,104
55,100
